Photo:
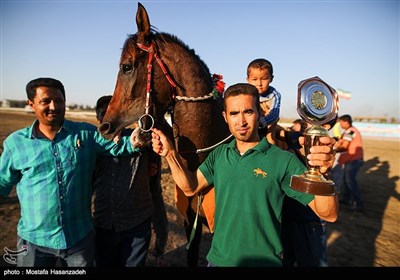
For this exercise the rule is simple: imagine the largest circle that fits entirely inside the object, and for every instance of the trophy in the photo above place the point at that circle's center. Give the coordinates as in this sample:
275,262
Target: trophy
317,104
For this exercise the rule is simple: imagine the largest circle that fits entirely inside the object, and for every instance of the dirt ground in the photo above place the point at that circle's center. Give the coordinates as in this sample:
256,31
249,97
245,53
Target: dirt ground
368,239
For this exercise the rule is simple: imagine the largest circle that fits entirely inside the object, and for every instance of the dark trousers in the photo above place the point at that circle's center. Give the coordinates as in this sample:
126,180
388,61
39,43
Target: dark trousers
124,248
351,192
304,244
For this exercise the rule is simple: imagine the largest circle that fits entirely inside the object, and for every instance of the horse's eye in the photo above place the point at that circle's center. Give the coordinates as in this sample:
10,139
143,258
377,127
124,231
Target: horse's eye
126,68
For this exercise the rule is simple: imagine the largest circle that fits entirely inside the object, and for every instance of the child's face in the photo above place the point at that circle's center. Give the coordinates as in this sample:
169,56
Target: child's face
260,78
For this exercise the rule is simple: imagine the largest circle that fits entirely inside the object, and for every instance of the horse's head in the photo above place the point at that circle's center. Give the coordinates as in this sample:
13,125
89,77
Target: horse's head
157,70
139,94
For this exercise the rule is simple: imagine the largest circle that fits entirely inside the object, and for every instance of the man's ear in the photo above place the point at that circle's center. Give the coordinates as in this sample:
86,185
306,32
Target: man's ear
224,115
30,103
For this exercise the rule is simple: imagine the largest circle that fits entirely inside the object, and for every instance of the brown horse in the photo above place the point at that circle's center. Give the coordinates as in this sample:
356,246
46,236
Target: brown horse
157,72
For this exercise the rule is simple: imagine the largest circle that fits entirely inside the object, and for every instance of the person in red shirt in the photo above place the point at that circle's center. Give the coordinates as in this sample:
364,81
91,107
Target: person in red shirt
352,158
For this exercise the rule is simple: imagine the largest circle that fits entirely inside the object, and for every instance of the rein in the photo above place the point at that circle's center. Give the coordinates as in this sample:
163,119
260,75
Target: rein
152,50
199,151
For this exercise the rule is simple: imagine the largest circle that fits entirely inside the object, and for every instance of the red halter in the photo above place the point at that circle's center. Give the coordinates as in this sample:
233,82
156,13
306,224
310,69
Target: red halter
152,50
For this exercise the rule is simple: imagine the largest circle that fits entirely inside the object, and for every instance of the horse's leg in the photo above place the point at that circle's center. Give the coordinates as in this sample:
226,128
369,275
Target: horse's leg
193,250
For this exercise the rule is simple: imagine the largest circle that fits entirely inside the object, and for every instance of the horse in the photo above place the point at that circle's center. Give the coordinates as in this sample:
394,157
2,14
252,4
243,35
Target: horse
158,73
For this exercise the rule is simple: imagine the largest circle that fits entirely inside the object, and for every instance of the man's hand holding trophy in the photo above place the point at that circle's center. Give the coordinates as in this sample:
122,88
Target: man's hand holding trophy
317,104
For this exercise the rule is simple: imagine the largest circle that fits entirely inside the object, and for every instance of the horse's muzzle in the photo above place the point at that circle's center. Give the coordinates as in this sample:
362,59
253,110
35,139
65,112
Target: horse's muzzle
105,130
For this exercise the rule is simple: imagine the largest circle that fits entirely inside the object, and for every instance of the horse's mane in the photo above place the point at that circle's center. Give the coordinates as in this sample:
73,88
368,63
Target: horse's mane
168,38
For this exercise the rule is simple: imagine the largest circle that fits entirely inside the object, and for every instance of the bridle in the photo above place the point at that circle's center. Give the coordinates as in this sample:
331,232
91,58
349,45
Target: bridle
152,50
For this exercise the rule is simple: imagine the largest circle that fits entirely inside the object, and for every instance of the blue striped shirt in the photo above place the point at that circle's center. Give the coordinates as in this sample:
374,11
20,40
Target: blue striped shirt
54,180
273,102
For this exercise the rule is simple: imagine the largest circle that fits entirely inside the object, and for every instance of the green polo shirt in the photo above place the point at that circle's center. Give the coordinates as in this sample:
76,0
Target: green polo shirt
249,193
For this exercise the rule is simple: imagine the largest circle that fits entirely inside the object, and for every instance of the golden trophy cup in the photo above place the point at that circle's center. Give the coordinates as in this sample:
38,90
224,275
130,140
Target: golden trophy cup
317,104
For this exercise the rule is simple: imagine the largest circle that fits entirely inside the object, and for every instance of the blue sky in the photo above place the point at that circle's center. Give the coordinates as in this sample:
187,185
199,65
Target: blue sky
351,45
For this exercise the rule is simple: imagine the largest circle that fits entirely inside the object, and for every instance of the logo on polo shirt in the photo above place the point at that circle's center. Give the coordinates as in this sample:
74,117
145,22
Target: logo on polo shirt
258,171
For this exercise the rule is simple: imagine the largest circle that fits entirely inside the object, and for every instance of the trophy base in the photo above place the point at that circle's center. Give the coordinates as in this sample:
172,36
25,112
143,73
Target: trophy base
315,186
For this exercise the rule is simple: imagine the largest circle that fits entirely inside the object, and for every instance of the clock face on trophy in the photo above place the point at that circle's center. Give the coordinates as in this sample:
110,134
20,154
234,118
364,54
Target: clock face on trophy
317,104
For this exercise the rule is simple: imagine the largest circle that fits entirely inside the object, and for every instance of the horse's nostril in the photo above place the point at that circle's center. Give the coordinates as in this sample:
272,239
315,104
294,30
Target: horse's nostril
104,128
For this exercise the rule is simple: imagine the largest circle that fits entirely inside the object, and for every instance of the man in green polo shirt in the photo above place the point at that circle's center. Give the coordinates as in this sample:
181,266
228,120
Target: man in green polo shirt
251,178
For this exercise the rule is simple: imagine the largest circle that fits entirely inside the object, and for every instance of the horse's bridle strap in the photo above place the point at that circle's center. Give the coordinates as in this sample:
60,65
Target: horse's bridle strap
152,51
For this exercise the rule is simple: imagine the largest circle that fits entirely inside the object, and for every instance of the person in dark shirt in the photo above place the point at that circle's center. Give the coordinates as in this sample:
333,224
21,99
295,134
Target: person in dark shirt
123,205
304,235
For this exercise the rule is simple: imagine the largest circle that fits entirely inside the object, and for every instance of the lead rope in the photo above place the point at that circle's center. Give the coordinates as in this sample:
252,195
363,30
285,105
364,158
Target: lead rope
193,232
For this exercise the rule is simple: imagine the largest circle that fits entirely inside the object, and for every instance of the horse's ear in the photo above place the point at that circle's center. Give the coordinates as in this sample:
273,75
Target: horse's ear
142,21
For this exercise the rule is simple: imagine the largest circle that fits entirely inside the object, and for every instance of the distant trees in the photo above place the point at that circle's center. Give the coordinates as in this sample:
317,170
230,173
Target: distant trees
12,103
8,103
80,107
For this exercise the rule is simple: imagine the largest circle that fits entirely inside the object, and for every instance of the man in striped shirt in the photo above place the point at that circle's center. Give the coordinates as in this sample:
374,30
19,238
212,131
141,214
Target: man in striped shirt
51,164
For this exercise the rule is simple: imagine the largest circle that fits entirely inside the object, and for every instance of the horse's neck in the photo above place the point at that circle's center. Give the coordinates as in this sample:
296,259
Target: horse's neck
197,124
188,72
